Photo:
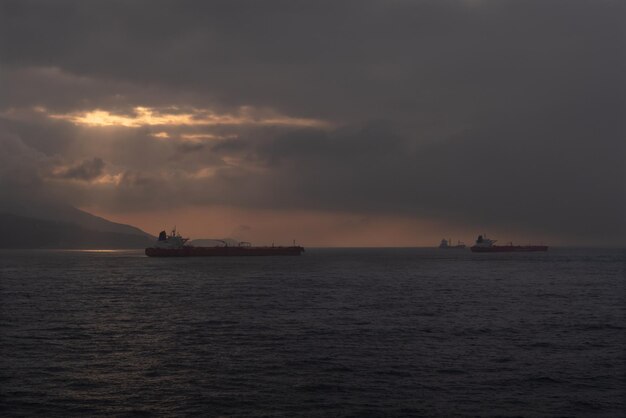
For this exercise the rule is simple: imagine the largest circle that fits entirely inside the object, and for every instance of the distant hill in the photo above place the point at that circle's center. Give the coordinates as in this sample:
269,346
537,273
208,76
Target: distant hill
28,232
59,212
36,222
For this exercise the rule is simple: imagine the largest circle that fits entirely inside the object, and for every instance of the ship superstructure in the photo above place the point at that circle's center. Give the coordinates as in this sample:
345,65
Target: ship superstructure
172,241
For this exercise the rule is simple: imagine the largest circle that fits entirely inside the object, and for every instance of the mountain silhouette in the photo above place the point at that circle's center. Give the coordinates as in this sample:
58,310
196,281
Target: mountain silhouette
39,224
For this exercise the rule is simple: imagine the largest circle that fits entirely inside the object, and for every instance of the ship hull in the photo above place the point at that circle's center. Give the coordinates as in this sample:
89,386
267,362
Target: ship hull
223,251
509,248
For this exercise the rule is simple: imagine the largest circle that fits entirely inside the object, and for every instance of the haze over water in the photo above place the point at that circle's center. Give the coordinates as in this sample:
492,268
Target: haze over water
350,332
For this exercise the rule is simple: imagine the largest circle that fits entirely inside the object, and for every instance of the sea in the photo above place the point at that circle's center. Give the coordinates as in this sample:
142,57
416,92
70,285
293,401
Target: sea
332,333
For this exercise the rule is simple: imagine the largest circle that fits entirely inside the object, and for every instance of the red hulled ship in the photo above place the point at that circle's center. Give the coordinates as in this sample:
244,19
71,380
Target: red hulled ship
174,245
486,245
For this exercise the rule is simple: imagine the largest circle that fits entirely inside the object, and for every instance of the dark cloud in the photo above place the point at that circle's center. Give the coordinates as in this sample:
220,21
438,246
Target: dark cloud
85,170
426,62
536,180
480,112
21,167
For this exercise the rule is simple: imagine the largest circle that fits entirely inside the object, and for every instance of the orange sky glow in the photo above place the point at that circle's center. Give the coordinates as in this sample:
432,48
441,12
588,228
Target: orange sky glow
309,228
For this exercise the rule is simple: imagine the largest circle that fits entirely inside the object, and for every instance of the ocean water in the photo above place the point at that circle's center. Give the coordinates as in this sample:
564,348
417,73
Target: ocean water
334,333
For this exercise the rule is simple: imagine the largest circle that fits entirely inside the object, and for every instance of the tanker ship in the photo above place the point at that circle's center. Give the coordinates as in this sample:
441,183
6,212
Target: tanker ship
446,244
486,245
174,245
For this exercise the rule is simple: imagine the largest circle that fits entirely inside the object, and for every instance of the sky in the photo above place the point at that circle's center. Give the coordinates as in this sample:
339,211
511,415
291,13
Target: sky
335,123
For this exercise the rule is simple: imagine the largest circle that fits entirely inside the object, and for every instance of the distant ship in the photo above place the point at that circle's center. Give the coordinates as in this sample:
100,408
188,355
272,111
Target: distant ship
174,245
486,245
446,244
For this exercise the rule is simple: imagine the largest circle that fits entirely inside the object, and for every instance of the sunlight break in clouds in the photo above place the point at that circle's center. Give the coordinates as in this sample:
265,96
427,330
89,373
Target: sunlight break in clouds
160,135
199,137
146,116
194,138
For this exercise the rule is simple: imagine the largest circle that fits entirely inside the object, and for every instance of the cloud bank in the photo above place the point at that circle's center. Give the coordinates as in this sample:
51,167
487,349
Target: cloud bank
484,114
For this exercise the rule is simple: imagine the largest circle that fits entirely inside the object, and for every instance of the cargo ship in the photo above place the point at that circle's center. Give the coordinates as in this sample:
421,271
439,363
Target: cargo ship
446,244
174,245
486,245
